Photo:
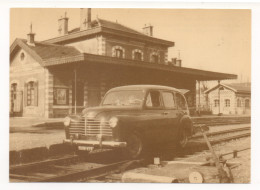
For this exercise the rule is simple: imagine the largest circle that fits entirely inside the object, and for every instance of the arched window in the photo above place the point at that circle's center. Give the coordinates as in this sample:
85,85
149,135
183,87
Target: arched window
154,57
22,56
247,103
137,54
31,93
238,103
227,102
118,51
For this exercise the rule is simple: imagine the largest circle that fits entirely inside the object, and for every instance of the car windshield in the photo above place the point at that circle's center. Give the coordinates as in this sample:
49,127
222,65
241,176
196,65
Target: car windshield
124,98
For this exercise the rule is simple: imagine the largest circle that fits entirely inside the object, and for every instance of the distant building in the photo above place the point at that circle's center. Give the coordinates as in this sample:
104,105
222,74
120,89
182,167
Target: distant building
234,98
65,74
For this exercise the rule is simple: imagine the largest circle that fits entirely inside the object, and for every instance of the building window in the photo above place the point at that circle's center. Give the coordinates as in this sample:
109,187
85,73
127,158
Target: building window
227,102
154,59
118,51
216,103
238,103
31,93
13,95
137,54
247,103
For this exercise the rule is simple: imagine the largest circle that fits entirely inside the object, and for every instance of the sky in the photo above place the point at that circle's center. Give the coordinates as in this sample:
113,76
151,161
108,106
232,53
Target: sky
208,39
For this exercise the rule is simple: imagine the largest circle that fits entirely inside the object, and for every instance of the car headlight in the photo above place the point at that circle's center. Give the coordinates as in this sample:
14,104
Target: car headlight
67,121
113,122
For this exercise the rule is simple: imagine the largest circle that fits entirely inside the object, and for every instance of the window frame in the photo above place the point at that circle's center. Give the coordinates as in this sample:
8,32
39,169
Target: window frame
186,103
239,103
139,56
174,99
152,58
34,99
119,53
117,48
160,99
216,106
140,52
227,103
248,103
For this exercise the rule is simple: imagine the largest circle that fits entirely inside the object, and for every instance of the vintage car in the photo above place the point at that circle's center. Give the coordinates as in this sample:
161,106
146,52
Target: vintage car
131,118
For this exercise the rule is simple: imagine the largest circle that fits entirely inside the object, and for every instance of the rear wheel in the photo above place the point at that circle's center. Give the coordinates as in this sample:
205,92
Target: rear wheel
182,138
134,146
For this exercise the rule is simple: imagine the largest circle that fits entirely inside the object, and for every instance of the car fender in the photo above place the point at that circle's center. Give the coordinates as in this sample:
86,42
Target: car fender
128,124
187,124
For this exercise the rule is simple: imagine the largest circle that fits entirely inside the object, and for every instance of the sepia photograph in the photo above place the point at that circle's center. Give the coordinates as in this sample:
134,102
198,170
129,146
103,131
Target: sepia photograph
130,95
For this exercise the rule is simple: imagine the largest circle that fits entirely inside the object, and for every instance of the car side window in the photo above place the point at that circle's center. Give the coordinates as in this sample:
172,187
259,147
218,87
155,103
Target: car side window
168,100
153,100
180,101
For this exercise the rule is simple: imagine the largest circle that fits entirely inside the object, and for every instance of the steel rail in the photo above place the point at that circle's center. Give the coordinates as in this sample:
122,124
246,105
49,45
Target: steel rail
222,132
229,138
84,174
43,163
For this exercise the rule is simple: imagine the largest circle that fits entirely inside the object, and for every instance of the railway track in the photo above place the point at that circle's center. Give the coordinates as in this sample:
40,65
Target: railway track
72,168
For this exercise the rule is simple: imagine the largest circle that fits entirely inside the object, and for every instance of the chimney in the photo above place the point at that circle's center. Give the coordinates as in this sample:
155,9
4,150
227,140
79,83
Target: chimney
30,37
148,30
63,25
173,61
85,18
178,62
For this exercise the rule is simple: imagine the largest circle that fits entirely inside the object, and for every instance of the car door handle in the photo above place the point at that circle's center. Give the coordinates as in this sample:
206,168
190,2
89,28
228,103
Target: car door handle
165,113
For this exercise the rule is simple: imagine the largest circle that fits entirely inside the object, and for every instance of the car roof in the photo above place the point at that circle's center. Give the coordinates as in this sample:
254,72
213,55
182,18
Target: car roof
144,87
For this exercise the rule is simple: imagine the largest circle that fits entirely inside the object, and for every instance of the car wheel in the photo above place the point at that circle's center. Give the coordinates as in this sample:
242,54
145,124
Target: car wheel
182,138
134,146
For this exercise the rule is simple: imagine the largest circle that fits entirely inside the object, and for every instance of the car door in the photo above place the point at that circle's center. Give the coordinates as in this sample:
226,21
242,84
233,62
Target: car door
155,119
182,106
171,116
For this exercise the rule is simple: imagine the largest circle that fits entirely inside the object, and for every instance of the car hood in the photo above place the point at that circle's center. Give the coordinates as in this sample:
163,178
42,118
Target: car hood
109,111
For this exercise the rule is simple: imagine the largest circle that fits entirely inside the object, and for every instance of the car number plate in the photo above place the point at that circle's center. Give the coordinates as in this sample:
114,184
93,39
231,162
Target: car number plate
87,148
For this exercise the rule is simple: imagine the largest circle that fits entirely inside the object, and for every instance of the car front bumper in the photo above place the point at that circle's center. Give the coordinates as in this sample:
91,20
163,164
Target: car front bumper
95,143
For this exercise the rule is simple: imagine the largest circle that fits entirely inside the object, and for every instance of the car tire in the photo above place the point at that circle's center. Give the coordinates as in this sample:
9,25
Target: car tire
134,148
182,138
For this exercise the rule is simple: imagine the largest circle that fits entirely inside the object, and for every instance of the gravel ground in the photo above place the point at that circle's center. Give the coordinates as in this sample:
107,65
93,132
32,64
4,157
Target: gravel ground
241,174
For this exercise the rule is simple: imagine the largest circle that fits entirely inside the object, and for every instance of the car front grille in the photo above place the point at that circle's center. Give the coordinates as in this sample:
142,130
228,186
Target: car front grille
90,127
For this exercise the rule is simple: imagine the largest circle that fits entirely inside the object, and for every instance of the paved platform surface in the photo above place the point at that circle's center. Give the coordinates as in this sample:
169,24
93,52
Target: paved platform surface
30,121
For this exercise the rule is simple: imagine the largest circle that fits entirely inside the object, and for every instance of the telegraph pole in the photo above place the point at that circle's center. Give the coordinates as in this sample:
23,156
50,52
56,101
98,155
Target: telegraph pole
219,98
75,90
199,97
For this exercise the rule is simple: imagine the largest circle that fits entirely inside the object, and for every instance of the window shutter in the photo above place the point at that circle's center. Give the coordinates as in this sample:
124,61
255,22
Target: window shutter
35,93
25,94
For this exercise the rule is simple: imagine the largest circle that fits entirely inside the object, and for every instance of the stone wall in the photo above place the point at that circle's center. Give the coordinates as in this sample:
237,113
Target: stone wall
22,71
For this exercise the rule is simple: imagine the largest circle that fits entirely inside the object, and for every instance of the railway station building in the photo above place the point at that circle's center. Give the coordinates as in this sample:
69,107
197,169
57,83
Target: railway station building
230,98
65,74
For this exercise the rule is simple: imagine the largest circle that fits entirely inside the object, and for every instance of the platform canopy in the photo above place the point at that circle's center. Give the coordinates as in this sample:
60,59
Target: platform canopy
201,75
